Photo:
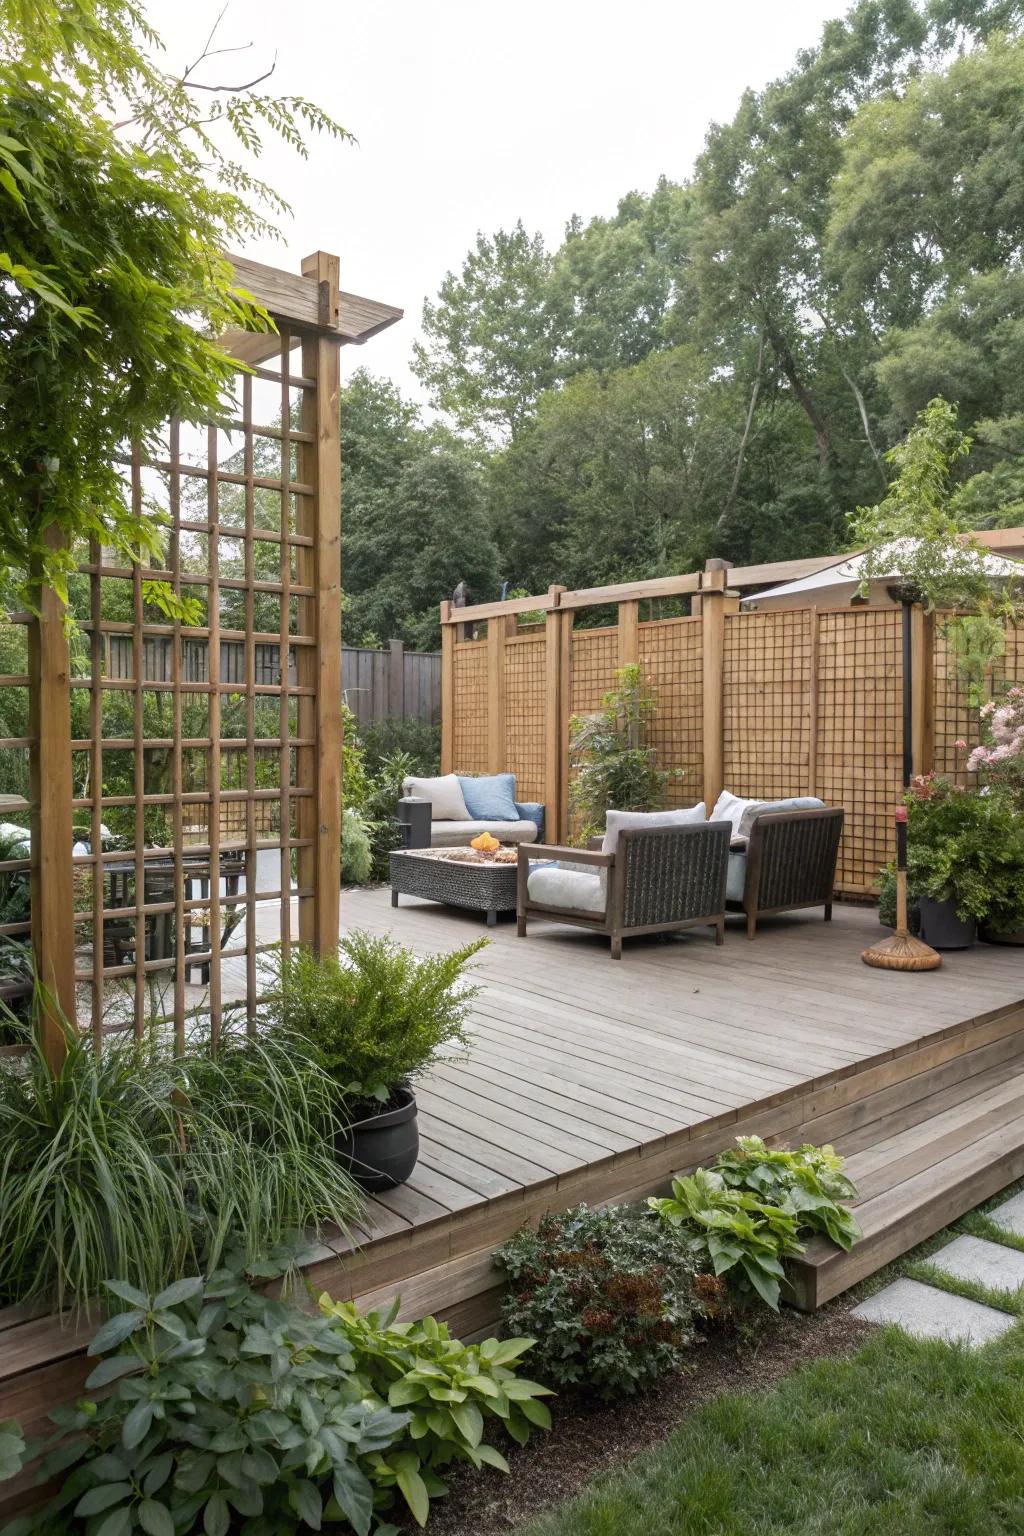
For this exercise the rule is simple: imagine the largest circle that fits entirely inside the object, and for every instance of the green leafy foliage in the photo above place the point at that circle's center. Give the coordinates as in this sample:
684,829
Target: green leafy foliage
607,1294
115,285
613,765
356,848
130,1162
451,1389
749,1211
377,1014
229,1410
963,847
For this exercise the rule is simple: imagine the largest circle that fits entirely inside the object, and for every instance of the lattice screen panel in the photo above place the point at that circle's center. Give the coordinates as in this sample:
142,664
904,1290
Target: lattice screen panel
193,798
860,735
525,701
595,656
670,653
767,671
16,742
469,723
953,717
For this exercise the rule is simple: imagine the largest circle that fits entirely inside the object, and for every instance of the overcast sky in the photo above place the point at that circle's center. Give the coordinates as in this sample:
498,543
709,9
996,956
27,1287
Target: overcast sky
471,114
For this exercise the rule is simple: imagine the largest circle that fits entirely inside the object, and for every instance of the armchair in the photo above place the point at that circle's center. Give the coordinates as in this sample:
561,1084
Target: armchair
790,862
659,880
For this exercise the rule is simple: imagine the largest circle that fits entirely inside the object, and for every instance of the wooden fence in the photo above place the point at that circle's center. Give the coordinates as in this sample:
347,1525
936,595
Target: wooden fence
376,684
766,704
226,740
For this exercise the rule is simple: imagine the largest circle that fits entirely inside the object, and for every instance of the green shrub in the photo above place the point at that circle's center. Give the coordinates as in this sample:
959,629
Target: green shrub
232,1411
356,851
607,1294
354,782
417,740
963,847
133,1164
748,1212
613,765
377,1015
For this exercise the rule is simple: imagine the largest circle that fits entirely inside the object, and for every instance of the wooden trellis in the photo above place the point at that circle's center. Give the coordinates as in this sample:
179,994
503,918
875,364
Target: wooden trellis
768,704
207,744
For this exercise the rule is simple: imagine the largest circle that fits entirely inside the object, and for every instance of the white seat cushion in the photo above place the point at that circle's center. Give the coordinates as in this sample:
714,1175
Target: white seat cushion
447,802
567,888
733,808
458,834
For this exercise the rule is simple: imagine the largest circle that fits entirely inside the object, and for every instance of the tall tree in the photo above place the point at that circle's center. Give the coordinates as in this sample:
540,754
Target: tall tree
490,338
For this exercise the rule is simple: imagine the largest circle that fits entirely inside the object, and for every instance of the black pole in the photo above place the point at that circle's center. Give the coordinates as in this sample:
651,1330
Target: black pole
908,697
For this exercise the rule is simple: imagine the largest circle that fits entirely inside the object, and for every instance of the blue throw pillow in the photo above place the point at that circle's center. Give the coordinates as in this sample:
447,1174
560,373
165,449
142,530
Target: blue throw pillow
492,797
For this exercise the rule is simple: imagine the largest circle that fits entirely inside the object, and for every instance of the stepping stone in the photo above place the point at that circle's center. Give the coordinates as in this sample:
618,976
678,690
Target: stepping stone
926,1313
1010,1215
989,1264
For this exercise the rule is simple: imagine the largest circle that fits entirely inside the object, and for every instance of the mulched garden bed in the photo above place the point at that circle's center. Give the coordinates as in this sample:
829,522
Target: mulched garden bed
588,1438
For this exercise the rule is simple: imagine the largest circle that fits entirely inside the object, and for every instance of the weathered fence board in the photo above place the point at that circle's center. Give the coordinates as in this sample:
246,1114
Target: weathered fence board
391,685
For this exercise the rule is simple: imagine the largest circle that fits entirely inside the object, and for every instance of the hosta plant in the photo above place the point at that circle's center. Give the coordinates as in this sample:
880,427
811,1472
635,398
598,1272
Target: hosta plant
229,1410
748,1212
607,1294
454,1392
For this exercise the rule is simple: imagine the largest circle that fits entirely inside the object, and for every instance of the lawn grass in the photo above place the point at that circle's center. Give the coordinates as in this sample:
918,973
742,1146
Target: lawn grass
906,1438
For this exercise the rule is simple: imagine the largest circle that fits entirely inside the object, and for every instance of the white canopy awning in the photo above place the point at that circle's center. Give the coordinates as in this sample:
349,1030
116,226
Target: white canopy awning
848,572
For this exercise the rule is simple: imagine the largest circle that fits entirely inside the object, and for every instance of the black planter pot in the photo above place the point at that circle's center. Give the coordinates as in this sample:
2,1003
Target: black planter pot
940,926
991,937
380,1150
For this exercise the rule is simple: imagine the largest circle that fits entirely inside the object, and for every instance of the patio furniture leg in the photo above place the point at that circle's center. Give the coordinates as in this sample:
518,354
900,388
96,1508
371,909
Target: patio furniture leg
720,931
492,918
394,897
521,925
616,946
828,911
751,924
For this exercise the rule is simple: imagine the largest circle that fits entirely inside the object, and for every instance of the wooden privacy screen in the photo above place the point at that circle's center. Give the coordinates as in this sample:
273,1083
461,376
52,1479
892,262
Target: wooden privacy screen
766,704
184,778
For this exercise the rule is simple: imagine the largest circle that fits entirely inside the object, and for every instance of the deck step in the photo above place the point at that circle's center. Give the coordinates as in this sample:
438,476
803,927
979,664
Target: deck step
918,1169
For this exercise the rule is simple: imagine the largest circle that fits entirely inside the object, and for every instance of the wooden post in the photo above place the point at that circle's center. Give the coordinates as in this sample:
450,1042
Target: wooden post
629,633
922,671
53,926
497,632
320,816
713,621
447,689
565,622
553,718
396,679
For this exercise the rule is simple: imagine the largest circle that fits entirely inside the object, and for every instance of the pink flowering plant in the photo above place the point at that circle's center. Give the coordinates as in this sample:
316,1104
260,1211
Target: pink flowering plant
998,759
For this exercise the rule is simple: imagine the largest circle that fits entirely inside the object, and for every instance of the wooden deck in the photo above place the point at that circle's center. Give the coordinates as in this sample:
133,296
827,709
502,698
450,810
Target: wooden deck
590,1079
594,1080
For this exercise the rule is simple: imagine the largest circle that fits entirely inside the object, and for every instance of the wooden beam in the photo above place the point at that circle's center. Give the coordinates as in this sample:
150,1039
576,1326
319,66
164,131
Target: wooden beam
396,679
447,689
51,839
565,623
476,612
713,653
922,636
320,814
624,591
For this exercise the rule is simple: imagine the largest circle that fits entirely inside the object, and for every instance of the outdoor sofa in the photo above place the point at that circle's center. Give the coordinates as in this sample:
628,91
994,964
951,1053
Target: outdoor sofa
462,806
655,873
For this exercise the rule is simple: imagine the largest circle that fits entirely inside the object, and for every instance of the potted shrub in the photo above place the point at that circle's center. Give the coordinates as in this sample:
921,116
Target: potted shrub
965,863
377,1015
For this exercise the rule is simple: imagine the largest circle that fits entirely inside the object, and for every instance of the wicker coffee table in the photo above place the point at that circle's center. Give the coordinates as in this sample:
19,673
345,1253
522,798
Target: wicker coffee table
434,875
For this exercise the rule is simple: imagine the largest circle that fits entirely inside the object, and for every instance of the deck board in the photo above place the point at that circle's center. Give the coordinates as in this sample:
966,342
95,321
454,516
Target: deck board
577,1060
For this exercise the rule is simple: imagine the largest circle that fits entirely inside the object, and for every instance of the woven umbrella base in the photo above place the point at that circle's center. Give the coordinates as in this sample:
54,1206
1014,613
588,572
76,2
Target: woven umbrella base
902,953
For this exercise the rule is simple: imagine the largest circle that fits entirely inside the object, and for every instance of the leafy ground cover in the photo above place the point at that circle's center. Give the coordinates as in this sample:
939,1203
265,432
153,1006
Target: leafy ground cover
815,1424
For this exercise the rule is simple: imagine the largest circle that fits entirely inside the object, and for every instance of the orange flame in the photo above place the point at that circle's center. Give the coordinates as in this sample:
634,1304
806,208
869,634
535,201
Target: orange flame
485,843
